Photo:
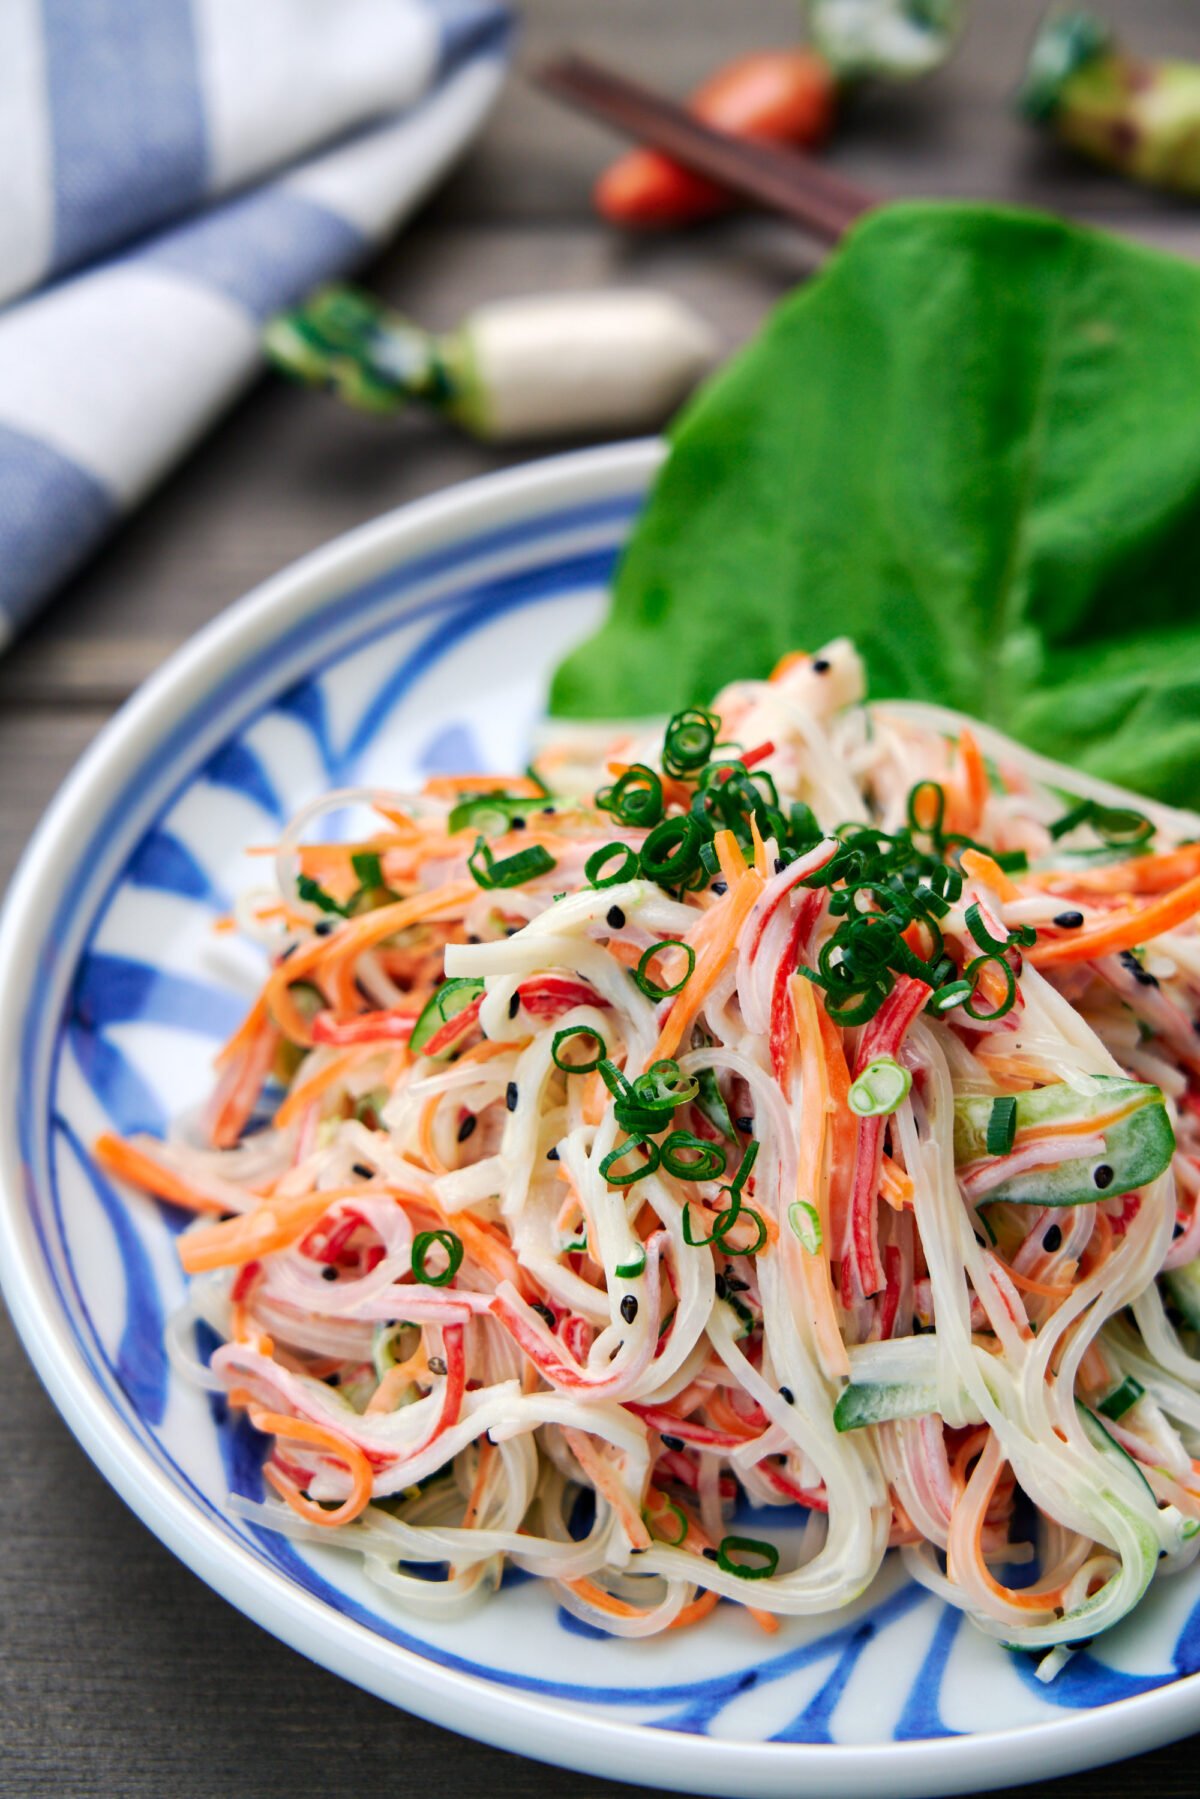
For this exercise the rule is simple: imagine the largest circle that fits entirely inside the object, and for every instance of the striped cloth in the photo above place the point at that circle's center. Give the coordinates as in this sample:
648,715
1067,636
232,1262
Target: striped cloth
174,172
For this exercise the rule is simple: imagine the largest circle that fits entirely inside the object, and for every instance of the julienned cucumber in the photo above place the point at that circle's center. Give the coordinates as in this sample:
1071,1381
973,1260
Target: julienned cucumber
447,1001
1183,1284
1138,1145
896,1379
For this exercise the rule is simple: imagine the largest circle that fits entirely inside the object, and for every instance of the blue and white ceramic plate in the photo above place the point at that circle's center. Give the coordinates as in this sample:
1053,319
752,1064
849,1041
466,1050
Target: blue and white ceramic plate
420,644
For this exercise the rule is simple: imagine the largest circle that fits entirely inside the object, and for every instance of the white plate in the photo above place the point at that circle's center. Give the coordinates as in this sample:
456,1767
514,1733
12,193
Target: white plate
422,643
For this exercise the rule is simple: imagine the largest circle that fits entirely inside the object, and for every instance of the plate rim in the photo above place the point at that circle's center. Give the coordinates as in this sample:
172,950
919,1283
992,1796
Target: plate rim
550,1731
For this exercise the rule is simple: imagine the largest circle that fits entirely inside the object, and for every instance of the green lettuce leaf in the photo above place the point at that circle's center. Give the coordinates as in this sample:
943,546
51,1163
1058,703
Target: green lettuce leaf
973,445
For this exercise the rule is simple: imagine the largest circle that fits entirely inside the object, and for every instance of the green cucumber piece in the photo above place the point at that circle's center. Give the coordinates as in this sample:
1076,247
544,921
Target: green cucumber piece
1183,1284
445,1003
1136,1148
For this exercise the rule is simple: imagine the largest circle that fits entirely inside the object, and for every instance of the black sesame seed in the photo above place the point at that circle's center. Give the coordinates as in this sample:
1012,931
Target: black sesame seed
514,1005
745,1122
516,824
467,1126
1068,921
629,1308
787,1396
436,1365
820,665
710,1555
552,1155
329,1274
735,1285
549,811
675,1443
780,865
335,1380
721,1286
1053,1239
289,951
361,1169
616,918
1179,1229
719,887
1103,1175
323,927
472,938
510,1096
543,1311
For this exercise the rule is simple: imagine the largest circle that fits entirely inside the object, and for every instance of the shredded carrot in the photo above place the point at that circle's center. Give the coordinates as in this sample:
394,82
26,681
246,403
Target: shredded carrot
1025,1283
273,1225
606,1481
348,943
812,1181
976,785
1141,874
302,1430
487,1455
387,1394
425,1135
787,663
896,1186
726,919
305,1092
1125,931
448,787
131,1164
981,867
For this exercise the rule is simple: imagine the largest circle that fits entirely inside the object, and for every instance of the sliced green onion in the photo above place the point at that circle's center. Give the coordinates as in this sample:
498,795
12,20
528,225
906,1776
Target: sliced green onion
629,1271
735,1215
952,994
971,971
423,1242
805,1221
445,1003
672,851
697,1242
368,867
653,1524
635,799
1013,862
1002,1126
689,741
749,1157
880,1088
315,895
731,1546
711,1102
564,1036
618,1155
651,988
933,830
599,859
1122,1399
510,871
690,1158
1120,827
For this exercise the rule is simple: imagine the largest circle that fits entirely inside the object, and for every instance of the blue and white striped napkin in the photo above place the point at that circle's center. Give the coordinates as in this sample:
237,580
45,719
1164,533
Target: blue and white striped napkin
173,172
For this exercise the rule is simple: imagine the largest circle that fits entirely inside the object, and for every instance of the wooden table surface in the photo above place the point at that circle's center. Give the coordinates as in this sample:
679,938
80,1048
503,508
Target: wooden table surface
120,1673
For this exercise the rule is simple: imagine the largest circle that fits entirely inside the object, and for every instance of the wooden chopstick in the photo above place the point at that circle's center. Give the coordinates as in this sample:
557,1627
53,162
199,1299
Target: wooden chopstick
782,180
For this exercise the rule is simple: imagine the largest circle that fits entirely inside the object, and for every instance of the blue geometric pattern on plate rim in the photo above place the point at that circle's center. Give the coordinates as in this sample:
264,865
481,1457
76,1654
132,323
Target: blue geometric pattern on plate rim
344,624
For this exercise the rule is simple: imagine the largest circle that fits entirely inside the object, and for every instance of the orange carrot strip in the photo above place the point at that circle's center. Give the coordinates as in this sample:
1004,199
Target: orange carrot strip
1125,931
273,1225
387,1393
307,1091
1142,874
728,918
603,1477
986,869
812,1181
448,787
302,1430
131,1164
487,1454
348,942
896,1186
975,779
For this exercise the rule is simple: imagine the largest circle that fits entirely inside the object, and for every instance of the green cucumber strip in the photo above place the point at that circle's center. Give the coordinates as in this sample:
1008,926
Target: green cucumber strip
1183,1285
1136,1148
451,998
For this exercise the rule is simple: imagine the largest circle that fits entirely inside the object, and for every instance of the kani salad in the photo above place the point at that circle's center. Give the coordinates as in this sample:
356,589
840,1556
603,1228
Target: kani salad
791,1118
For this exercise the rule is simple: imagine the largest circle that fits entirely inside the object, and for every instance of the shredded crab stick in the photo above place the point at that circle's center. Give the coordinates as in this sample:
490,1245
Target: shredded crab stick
787,1110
